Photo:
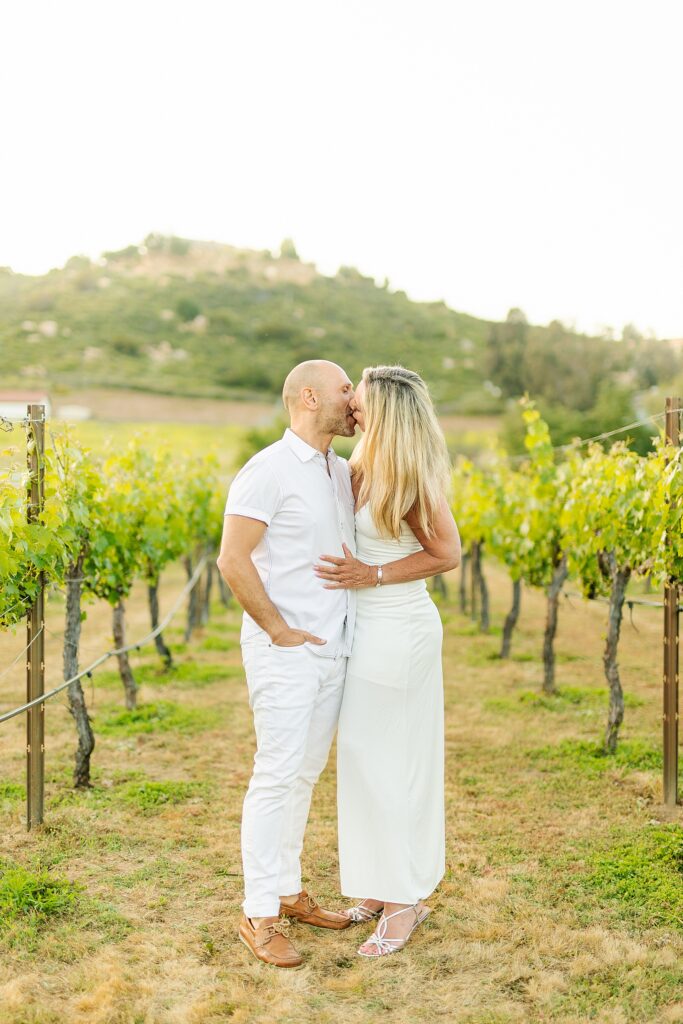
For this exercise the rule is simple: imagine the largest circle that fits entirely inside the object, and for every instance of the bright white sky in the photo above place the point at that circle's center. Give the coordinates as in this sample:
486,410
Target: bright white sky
490,153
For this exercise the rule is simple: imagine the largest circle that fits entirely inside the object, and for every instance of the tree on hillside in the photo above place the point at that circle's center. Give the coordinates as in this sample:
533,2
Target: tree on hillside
131,252
505,352
187,309
288,250
611,407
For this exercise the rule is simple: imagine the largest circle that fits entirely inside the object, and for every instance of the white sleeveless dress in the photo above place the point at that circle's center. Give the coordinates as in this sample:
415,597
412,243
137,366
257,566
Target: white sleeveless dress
390,743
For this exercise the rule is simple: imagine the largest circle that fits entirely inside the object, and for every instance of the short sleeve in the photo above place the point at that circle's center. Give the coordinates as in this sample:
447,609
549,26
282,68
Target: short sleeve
255,492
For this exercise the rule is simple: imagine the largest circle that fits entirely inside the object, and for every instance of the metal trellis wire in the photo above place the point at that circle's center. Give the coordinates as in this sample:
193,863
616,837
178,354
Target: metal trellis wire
581,441
191,583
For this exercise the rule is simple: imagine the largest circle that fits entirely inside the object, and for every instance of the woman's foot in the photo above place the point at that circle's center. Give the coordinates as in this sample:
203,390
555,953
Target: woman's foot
395,927
364,911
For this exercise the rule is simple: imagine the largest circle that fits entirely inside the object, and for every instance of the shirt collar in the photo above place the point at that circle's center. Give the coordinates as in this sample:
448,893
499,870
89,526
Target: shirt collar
303,449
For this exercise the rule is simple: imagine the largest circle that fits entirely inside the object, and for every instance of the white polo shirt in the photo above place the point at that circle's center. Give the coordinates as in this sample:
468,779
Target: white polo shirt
308,514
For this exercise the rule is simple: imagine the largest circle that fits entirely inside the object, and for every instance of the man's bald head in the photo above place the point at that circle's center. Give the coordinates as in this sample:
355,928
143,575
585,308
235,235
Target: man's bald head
315,374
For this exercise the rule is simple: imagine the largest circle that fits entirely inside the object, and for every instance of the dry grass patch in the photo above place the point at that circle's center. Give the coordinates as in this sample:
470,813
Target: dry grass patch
554,904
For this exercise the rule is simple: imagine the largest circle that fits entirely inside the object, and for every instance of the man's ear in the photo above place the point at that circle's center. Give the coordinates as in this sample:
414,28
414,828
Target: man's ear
309,398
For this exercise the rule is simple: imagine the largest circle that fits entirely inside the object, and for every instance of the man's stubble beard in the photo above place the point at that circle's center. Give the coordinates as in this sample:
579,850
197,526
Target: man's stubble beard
340,426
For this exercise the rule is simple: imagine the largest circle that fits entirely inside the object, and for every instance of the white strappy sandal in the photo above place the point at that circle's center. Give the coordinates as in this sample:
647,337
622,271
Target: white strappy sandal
383,946
360,914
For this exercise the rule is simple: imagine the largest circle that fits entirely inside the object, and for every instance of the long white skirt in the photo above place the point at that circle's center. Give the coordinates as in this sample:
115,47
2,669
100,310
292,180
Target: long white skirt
390,749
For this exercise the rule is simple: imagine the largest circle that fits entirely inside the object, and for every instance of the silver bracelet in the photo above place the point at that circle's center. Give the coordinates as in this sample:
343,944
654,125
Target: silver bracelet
379,576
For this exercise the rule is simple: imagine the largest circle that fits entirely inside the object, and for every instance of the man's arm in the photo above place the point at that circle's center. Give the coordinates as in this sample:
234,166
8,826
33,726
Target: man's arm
240,537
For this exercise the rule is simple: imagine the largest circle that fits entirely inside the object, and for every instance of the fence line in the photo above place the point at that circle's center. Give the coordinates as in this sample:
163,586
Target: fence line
630,601
598,437
8,423
191,583
71,580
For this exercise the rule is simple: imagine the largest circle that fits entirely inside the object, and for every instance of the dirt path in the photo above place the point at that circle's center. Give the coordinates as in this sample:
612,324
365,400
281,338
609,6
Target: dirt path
521,930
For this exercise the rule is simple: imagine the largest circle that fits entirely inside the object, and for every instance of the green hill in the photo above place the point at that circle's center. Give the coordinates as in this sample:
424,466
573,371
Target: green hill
204,319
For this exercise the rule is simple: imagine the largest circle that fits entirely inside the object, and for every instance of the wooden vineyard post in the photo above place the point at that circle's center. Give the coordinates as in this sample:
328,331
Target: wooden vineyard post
670,689
35,638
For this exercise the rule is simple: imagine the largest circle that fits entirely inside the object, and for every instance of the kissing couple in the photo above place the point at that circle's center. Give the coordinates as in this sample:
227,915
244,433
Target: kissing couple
328,559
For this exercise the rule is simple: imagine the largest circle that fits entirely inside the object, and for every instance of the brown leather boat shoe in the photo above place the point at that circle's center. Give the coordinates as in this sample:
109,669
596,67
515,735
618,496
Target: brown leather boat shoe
270,943
308,910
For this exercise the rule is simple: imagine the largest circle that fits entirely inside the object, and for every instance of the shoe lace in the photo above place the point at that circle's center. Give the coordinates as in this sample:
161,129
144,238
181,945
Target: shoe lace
311,902
280,927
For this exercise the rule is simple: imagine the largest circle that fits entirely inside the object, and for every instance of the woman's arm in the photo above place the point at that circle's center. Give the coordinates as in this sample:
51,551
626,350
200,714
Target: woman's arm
440,553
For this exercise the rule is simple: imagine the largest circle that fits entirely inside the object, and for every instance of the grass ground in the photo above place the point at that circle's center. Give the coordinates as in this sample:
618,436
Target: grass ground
562,900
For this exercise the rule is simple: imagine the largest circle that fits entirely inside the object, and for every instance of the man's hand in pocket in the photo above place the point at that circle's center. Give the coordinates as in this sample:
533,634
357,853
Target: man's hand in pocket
295,638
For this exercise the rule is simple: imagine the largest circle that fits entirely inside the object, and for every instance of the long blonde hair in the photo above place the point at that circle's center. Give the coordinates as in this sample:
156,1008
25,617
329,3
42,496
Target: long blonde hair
402,460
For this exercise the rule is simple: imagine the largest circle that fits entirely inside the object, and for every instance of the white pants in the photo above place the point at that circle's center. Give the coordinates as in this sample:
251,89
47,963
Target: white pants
295,696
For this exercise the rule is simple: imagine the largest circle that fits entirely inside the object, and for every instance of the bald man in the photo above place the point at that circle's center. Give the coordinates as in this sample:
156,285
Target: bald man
290,504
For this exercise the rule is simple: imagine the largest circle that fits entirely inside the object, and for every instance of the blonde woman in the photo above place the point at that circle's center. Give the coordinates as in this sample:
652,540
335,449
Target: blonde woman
390,743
